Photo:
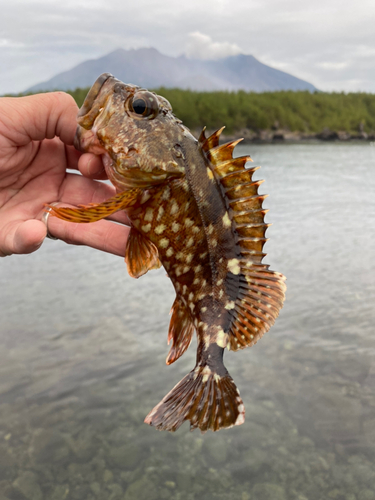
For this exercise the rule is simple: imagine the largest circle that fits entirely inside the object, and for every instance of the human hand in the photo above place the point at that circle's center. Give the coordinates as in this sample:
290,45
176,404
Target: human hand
36,149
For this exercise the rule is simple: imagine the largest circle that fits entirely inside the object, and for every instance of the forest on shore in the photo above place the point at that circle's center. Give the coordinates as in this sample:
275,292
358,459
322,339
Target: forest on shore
299,114
318,113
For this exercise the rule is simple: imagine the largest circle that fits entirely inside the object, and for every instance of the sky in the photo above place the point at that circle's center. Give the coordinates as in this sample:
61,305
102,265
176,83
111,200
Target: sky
328,43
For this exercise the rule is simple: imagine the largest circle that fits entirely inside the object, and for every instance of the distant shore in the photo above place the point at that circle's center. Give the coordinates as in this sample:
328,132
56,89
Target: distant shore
280,136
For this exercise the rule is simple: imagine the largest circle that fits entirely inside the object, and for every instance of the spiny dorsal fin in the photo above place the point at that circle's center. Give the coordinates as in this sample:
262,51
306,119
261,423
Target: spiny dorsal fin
211,142
141,255
223,153
262,291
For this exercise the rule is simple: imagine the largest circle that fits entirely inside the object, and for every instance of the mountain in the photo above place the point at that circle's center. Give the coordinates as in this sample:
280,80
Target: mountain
150,69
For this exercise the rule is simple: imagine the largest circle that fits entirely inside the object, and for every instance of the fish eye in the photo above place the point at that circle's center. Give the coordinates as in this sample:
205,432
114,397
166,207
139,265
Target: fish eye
144,104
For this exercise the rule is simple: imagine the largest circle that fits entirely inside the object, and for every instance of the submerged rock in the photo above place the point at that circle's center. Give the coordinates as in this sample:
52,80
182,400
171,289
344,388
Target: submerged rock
125,457
267,491
27,484
143,489
48,446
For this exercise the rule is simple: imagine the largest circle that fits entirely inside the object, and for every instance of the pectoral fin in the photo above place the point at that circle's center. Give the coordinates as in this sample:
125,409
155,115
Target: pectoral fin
141,254
93,213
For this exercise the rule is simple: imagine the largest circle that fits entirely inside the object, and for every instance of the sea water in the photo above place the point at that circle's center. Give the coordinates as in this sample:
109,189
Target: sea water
83,348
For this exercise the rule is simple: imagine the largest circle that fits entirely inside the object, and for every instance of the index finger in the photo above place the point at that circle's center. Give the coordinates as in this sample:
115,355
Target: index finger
38,117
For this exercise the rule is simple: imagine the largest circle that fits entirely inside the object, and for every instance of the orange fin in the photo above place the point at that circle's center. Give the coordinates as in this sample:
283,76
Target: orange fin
261,297
262,291
181,331
93,213
141,254
212,141
210,402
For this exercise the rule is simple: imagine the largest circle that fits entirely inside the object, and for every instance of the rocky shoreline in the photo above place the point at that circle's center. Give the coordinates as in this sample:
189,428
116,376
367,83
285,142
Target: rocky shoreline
279,136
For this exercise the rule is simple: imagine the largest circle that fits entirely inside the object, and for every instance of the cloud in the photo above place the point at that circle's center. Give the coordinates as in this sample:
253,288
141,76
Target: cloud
4,42
200,46
333,65
320,42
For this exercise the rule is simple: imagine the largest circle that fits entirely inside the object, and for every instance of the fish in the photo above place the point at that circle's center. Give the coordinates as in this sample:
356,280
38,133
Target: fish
195,210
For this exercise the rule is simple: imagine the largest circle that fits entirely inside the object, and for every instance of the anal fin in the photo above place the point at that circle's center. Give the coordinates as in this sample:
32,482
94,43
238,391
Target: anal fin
141,255
181,331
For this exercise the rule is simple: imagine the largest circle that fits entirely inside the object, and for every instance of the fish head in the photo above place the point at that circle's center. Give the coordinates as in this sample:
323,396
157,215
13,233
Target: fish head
135,131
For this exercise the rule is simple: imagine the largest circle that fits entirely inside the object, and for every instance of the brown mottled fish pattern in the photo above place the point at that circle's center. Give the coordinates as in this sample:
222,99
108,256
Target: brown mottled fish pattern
195,210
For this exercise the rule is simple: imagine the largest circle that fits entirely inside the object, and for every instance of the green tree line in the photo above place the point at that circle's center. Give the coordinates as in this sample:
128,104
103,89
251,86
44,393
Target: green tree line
296,111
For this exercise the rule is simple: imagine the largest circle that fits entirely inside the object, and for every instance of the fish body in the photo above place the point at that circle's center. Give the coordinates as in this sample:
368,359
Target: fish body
196,211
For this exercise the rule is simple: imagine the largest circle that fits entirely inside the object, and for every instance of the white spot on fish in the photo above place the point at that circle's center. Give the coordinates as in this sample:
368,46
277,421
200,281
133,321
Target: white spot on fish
175,227
164,242
190,242
226,220
159,229
146,228
189,258
221,337
234,266
160,213
169,252
174,208
149,215
188,222
166,194
229,305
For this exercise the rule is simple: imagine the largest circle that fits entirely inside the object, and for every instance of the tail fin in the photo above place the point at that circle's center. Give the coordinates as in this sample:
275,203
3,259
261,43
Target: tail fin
203,397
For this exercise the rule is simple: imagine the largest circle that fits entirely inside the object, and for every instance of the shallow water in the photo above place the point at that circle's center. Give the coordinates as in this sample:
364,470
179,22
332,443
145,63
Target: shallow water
82,350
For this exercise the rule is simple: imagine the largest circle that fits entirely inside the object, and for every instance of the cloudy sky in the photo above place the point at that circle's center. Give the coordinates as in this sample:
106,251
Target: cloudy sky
329,43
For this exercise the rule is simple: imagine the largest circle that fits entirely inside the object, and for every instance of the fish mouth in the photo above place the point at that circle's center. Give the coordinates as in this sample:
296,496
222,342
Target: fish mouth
92,94
86,135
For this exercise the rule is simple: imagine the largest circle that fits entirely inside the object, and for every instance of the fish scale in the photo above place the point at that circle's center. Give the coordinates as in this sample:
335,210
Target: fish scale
195,210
